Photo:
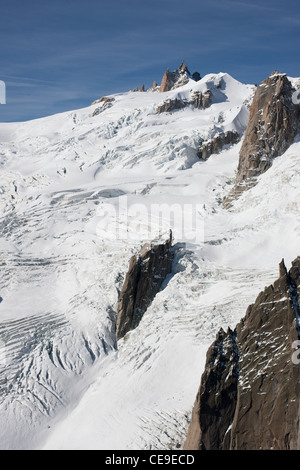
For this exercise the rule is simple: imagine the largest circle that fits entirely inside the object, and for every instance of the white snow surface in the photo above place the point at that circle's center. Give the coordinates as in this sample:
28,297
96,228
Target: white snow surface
76,193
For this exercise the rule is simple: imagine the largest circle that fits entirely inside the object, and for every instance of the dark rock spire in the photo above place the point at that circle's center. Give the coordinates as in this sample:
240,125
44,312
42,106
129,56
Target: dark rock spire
146,273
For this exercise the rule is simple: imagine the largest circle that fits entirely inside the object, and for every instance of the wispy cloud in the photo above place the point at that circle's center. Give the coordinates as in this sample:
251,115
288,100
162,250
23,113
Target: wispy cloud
254,6
291,20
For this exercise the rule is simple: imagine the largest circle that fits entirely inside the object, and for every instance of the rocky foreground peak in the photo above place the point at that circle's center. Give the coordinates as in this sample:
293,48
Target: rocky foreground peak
250,389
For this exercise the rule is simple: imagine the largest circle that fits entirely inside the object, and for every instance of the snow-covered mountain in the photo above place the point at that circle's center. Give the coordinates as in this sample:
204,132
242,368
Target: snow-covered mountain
81,192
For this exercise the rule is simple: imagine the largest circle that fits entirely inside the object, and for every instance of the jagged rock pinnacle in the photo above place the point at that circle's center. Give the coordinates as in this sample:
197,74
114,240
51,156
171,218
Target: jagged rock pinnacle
175,79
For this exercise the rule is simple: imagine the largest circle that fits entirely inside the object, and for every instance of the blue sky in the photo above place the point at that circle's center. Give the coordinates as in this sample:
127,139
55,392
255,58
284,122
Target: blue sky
58,55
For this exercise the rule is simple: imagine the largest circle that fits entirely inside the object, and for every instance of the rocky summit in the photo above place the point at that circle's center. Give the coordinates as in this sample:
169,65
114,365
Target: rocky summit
177,78
249,393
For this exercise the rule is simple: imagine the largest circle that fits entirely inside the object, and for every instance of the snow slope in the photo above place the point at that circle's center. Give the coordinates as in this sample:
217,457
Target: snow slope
76,194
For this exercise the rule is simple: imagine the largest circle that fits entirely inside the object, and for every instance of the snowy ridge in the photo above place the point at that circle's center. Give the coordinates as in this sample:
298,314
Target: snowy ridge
64,382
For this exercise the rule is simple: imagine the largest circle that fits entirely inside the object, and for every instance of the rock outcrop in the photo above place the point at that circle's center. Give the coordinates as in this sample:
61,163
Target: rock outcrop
105,103
199,100
147,271
250,389
215,145
171,105
104,100
272,127
142,89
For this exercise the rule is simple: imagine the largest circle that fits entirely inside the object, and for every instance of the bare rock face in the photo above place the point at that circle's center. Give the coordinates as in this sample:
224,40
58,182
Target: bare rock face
215,145
147,271
250,389
272,127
